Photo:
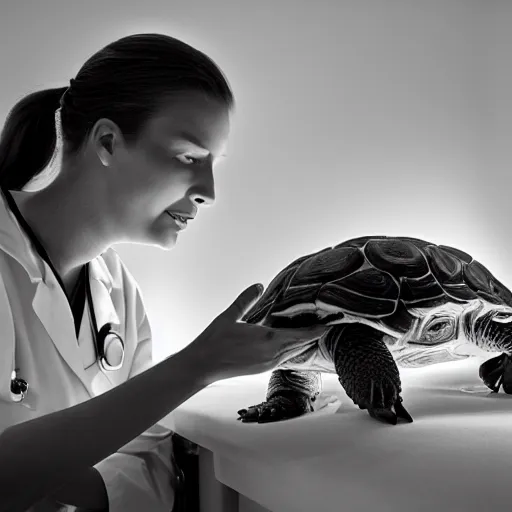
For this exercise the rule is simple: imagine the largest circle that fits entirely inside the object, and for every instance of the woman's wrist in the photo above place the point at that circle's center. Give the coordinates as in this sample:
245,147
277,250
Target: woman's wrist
202,370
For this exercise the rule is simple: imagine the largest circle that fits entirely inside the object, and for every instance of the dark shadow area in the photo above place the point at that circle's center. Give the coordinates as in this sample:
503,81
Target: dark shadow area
186,457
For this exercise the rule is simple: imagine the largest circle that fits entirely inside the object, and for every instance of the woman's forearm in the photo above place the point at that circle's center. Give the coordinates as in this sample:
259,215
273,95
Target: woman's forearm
40,455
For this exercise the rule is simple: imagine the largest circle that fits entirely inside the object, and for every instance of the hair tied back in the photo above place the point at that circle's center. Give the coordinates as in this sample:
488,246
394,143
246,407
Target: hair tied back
67,91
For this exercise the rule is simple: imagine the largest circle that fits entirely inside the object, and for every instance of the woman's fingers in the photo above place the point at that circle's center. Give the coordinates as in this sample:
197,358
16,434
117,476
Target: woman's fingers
243,302
300,336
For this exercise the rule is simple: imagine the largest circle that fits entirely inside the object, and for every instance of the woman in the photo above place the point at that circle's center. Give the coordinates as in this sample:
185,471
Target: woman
124,154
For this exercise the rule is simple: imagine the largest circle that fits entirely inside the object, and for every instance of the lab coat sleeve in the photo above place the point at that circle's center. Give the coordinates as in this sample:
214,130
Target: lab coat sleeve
141,475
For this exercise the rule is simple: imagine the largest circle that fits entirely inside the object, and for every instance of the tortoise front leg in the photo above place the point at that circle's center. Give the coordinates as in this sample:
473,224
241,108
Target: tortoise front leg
367,370
290,394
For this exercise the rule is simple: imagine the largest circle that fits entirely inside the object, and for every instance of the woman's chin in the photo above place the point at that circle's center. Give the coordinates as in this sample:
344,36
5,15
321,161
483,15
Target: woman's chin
168,241
163,239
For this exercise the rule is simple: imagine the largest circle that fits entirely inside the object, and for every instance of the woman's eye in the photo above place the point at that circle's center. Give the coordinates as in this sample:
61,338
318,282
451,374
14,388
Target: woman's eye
188,160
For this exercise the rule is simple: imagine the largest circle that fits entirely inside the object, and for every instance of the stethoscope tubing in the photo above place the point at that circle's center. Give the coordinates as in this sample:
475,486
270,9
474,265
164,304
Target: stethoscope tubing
102,335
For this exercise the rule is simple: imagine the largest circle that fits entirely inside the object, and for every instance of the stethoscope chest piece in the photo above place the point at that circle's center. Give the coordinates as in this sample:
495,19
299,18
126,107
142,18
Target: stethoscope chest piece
19,387
110,348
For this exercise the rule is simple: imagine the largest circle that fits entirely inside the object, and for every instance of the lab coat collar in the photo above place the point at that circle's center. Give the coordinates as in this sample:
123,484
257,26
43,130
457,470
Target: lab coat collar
17,244
60,328
14,242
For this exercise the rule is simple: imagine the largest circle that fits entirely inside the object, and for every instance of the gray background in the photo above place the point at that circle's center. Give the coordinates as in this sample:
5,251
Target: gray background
354,117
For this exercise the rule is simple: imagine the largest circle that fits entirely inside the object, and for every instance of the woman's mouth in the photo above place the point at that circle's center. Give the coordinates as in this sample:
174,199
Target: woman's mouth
180,221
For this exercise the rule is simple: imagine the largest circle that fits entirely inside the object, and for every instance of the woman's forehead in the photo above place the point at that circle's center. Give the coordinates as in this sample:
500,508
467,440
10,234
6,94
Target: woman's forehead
192,117
184,111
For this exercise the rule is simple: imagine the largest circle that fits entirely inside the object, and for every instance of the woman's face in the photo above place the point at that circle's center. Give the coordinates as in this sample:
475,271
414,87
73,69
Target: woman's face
169,169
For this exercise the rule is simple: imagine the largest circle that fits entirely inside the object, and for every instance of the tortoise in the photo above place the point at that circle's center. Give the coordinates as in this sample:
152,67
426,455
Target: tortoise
387,302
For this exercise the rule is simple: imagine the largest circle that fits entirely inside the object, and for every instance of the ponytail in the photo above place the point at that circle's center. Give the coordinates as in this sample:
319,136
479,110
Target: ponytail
28,138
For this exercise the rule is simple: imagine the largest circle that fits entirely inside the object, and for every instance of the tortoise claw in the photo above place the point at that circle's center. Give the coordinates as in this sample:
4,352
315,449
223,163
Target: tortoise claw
390,416
384,415
401,411
278,408
258,414
383,401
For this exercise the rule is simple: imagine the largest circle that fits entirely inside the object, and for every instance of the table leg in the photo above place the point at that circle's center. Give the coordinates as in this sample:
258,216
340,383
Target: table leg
214,496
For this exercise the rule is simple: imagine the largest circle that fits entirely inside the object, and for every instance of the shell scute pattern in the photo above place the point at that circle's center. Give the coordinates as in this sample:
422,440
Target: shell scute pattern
328,266
275,291
422,292
399,258
369,276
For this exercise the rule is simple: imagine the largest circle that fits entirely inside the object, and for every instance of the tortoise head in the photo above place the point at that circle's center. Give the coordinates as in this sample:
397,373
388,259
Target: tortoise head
485,327
456,331
489,327
491,330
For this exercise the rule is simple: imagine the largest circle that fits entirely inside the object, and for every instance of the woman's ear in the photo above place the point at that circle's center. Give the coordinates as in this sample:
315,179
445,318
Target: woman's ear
106,149
103,138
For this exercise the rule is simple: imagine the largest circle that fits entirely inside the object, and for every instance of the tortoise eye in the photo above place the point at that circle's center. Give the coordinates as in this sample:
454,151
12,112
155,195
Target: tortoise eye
439,331
438,326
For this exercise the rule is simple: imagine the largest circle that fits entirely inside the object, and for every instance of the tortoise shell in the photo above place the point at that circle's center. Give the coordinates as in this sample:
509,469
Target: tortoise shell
375,277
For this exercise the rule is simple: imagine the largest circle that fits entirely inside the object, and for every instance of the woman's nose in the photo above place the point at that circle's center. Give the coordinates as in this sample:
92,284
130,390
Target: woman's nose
204,192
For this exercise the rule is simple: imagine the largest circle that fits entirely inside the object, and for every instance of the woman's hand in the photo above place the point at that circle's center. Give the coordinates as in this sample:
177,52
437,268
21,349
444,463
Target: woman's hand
230,348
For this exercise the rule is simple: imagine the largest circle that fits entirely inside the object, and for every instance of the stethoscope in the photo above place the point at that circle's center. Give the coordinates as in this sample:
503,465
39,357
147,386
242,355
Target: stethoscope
108,343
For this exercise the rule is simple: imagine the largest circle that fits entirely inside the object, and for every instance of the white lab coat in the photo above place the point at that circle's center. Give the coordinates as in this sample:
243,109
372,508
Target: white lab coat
37,334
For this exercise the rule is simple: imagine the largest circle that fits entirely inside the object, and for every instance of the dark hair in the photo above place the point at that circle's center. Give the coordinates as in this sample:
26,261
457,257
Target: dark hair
126,82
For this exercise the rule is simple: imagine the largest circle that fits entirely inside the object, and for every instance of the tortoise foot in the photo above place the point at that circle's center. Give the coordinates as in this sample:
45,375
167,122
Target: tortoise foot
368,372
379,396
281,406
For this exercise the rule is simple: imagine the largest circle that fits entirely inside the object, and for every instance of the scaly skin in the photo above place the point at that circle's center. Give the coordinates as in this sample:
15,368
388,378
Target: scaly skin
366,370
290,394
